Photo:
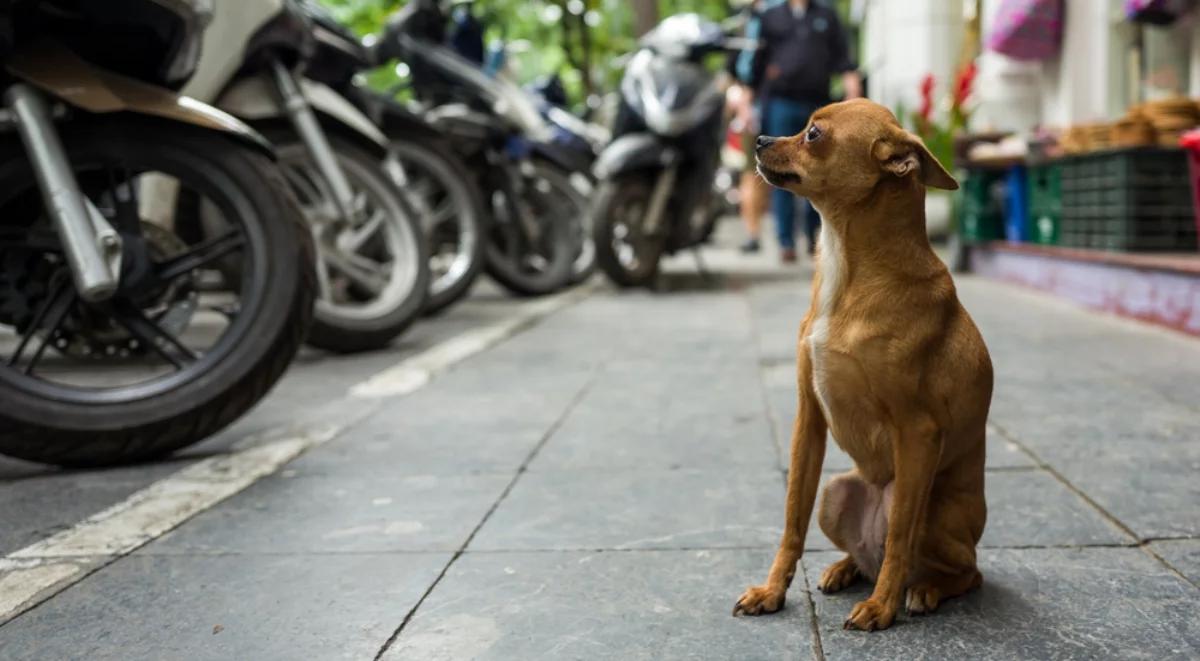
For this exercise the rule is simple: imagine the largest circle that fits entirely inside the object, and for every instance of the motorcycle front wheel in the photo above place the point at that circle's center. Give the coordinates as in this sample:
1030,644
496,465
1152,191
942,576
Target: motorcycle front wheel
446,196
372,270
545,266
624,251
182,349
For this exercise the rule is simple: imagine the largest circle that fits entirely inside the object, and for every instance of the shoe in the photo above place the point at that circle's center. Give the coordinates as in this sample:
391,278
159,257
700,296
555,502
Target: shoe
751,246
788,255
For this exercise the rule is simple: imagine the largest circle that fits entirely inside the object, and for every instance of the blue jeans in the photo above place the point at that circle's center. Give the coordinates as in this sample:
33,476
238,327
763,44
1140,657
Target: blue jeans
784,118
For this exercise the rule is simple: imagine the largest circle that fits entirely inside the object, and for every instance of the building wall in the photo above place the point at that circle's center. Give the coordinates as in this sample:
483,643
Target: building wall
905,40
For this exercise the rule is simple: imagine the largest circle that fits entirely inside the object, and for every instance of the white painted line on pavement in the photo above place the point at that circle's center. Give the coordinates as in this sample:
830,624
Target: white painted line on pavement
36,572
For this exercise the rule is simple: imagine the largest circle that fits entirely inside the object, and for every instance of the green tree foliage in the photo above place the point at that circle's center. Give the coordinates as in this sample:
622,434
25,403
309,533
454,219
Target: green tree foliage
581,40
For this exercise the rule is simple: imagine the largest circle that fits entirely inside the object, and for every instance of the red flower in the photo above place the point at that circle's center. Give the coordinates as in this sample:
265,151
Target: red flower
965,83
926,109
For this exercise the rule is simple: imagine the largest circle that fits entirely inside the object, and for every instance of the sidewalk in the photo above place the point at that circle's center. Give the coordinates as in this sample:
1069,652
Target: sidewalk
605,484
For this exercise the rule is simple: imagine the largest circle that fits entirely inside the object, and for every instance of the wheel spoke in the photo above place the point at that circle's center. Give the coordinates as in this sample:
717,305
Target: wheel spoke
359,236
52,312
201,255
444,212
151,334
362,271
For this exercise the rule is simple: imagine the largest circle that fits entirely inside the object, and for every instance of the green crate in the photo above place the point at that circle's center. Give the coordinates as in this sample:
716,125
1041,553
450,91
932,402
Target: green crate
1126,200
981,217
1045,203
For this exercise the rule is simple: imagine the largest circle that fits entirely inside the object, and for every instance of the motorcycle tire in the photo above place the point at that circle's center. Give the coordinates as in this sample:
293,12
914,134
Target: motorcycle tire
625,265
73,425
347,327
551,200
431,165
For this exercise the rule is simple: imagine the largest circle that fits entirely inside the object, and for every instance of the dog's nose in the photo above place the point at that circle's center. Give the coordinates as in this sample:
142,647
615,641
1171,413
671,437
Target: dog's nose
764,141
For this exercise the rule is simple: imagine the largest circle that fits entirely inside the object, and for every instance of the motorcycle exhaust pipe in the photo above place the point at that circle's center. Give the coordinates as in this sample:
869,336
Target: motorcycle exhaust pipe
309,128
92,246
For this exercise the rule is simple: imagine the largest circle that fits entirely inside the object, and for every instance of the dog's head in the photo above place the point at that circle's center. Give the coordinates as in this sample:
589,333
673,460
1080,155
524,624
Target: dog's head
845,152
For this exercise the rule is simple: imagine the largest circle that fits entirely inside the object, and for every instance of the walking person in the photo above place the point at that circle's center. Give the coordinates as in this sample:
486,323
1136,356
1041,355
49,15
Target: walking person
754,193
803,45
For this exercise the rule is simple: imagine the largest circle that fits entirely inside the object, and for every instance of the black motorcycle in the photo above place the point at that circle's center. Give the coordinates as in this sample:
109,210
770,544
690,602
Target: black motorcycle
657,176
535,213
124,210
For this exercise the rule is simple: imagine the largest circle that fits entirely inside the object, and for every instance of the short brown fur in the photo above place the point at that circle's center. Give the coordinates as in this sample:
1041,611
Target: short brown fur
891,363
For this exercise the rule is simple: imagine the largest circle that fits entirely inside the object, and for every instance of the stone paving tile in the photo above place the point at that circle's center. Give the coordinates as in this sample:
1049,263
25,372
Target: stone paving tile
1182,554
261,607
606,509
1095,603
644,419
1161,502
1032,508
293,513
614,605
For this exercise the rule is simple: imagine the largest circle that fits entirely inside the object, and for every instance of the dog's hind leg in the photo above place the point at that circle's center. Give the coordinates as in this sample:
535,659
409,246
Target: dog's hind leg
947,567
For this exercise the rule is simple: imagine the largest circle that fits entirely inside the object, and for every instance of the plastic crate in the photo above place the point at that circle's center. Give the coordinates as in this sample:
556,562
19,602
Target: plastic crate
1127,200
1045,203
1016,205
982,216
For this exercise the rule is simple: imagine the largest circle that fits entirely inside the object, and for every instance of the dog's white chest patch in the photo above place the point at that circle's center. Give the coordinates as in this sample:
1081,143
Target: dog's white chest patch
832,268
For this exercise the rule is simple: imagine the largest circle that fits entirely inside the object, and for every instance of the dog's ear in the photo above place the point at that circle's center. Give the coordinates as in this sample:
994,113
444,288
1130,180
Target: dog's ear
902,152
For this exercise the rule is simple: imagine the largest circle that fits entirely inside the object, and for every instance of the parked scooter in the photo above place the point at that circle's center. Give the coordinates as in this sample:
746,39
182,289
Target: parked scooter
373,265
437,182
656,177
123,337
535,212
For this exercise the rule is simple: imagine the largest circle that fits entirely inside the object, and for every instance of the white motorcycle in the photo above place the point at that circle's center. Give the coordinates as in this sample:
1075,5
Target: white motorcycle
373,265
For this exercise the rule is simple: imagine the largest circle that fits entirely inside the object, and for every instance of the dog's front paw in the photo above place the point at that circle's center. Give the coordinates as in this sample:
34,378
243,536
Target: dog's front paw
838,576
759,601
870,615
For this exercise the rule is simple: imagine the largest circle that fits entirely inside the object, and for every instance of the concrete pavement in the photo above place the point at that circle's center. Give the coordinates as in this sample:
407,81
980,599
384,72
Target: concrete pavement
604,485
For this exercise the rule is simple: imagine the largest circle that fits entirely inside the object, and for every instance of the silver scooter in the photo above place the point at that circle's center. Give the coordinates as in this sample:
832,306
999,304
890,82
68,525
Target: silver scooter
373,266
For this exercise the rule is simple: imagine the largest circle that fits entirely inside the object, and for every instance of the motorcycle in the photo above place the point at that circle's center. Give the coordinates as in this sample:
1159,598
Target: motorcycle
123,336
373,263
535,213
579,143
436,180
656,191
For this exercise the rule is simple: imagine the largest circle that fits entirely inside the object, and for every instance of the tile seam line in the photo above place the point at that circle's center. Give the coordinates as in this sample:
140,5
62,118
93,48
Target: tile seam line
1138,541
521,470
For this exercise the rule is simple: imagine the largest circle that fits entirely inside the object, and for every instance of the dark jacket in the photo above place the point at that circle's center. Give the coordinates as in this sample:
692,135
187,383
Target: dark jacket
804,53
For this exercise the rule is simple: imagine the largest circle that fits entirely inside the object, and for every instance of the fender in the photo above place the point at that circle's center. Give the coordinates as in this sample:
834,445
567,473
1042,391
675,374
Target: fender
60,73
254,99
634,151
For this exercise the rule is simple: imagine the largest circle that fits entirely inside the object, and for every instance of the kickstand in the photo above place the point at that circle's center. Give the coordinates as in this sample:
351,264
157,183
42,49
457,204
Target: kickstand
705,275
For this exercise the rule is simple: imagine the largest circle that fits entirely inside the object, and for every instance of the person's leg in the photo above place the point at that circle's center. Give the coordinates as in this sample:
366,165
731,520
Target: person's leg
752,196
779,123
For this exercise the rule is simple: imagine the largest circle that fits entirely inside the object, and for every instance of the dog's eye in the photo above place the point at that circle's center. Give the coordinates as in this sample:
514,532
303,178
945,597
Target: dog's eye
813,134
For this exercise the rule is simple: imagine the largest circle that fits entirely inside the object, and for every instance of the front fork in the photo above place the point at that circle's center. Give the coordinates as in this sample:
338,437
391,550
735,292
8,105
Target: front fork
91,244
663,187
304,120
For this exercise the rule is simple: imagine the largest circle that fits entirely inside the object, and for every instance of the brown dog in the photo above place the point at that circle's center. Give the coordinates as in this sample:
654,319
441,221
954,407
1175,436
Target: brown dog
890,362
